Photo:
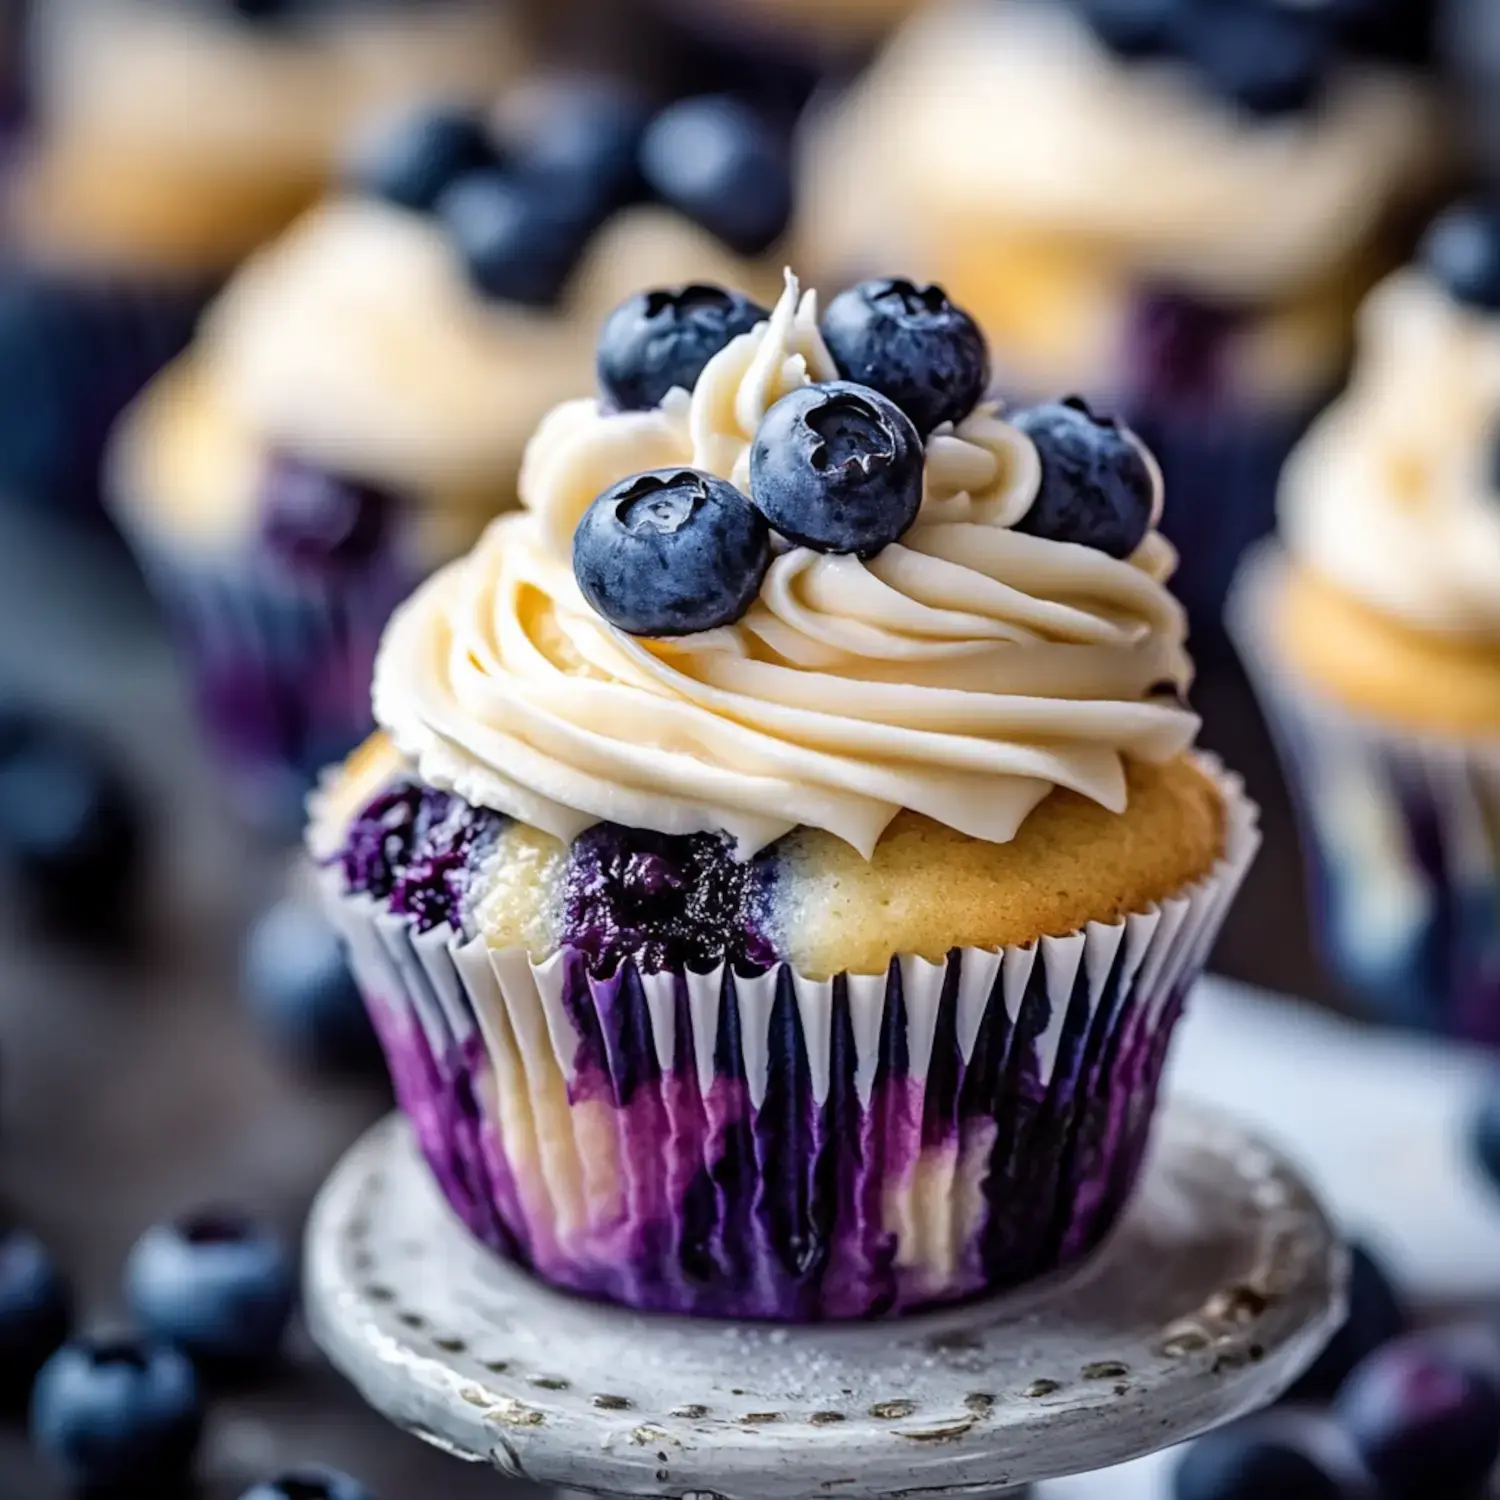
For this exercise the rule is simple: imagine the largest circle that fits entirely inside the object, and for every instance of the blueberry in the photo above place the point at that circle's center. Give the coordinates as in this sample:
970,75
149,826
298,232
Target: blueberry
302,992
1097,487
518,243
581,138
312,518
412,160
723,165
1132,28
1268,59
1375,1318
665,338
69,830
35,1311
117,1416
1462,251
1425,1422
1255,1460
837,468
911,344
215,1284
671,552
309,1484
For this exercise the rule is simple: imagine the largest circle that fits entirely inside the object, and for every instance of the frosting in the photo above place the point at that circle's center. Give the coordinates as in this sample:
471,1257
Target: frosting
1394,497
963,672
1003,150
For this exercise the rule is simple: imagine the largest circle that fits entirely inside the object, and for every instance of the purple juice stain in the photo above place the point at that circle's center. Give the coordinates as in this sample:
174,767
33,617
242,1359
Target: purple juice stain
666,901
311,518
418,849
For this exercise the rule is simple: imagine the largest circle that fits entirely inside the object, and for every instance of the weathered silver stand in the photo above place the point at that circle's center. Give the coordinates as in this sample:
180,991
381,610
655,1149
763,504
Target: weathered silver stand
1218,1289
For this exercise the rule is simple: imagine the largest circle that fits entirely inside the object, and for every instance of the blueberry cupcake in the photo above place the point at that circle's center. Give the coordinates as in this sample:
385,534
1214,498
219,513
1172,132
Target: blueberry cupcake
170,137
356,404
1173,207
1373,631
782,864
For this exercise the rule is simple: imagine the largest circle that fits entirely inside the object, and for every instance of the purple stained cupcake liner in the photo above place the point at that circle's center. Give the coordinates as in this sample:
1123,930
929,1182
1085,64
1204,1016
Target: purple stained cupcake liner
775,1146
1401,833
280,661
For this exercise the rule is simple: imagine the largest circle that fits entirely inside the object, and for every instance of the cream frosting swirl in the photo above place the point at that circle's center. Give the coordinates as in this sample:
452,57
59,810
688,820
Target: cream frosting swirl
1394,495
963,672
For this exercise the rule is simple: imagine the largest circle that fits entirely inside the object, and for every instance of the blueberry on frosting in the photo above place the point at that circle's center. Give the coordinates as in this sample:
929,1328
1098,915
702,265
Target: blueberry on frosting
412,161
1097,488
837,468
1270,59
1462,251
671,552
1132,28
911,344
517,242
661,340
724,166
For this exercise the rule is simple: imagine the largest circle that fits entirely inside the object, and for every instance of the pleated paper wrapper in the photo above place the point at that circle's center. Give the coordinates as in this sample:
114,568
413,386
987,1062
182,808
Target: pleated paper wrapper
783,1147
1401,832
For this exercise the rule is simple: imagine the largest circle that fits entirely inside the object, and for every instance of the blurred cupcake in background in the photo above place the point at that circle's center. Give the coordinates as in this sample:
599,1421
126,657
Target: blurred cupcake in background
169,138
789,929
1171,206
1373,633
355,406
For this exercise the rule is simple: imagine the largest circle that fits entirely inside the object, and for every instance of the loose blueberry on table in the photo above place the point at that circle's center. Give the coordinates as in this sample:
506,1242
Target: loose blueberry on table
1375,1317
118,1416
309,1484
671,552
1260,1459
912,345
838,468
662,340
1097,488
35,1312
215,1284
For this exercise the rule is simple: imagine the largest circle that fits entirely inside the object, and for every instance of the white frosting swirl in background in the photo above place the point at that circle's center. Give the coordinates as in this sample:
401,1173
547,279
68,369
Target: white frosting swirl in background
1014,117
1394,497
964,672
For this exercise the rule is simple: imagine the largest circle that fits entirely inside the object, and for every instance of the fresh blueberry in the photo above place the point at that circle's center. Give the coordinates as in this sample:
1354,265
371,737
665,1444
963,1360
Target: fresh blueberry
581,137
1375,1318
1254,1460
1132,28
311,518
300,989
215,1284
671,552
1268,59
35,1311
1462,251
663,339
1097,487
723,165
1425,1422
309,1484
517,241
912,345
69,830
837,468
117,1416
412,160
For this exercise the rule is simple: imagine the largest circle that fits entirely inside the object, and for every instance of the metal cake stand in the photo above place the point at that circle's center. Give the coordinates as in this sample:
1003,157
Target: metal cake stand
1217,1290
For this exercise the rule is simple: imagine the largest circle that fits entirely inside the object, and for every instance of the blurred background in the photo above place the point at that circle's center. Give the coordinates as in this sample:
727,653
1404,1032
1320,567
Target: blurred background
287,284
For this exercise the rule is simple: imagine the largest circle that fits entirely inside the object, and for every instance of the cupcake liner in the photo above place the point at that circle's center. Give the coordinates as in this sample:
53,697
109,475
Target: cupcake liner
1221,467
776,1146
280,661
74,352
1402,836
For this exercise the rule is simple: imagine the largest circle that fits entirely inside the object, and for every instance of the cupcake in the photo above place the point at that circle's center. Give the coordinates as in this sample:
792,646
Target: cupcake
356,404
1175,215
1373,632
782,863
170,137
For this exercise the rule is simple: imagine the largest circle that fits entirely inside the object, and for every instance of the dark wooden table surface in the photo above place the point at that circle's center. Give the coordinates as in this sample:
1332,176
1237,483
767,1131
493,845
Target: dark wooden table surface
132,1087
